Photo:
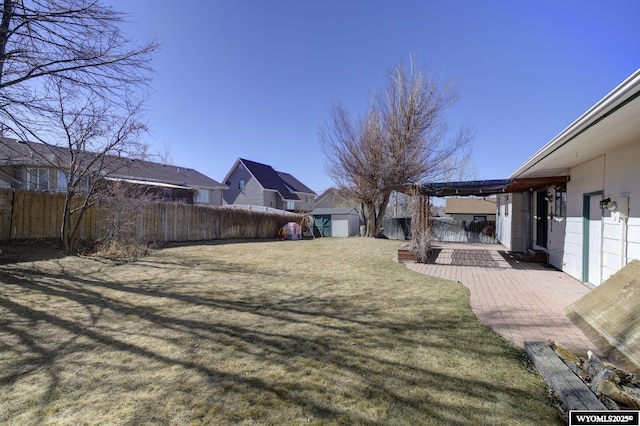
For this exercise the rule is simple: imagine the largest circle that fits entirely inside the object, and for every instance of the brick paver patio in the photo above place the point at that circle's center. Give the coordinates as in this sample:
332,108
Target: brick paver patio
518,300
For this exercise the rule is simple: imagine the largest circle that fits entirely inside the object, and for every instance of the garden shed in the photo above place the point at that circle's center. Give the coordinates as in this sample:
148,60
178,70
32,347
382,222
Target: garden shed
336,222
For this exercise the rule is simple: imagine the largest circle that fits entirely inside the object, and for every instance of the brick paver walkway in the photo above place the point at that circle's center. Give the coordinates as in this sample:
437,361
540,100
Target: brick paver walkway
520,301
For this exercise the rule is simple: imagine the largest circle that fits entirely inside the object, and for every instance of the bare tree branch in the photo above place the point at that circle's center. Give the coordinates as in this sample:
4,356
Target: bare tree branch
400,139
79,41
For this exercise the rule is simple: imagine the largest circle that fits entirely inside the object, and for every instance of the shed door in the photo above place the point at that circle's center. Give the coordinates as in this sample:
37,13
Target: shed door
322,225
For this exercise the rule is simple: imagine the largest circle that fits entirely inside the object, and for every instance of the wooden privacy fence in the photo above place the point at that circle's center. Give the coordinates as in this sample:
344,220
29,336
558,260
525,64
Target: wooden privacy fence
37,215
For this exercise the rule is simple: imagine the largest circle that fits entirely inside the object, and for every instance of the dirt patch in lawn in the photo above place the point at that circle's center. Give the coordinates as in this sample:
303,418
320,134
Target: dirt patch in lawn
329,331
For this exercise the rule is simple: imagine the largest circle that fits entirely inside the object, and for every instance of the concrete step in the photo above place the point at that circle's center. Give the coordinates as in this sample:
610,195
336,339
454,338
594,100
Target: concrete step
534,256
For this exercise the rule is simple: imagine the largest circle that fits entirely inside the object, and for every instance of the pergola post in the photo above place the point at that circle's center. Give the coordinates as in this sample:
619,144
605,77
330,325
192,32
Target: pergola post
421,216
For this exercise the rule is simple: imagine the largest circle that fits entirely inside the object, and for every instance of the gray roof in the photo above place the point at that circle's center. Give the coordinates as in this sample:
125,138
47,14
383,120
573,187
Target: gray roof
336,210
13,152
270,179
166,173
294,183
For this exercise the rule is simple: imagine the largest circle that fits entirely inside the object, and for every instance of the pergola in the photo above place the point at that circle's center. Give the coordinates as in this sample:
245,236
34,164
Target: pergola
480,187
470,188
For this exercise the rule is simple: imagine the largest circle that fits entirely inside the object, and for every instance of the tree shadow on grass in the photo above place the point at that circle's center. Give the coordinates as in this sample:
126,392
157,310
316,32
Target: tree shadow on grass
19,252
336,336
160,245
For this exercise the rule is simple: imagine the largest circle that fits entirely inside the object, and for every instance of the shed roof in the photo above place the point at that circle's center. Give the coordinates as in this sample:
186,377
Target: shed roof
334,210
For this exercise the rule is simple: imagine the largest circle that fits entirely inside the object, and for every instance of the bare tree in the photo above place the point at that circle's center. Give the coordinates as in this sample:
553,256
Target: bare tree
402,138
71,80
123,205
354,156
401,204
95,136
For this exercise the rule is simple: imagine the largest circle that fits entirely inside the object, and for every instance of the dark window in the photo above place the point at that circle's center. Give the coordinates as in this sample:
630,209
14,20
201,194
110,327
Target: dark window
38,179
561,203
542,207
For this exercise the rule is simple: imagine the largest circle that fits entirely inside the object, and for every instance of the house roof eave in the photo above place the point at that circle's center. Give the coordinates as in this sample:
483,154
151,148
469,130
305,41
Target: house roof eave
148,183
581,135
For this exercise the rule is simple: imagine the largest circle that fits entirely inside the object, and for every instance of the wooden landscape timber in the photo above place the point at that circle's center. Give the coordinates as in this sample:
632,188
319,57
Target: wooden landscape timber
584,384
572,391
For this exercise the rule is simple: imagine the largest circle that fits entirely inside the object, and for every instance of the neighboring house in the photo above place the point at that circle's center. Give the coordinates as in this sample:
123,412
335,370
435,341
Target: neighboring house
332,198
590,225
471,209
257,184
38,167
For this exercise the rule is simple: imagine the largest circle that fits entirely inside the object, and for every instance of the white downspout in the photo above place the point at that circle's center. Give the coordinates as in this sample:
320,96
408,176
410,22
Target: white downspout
623,212
623,241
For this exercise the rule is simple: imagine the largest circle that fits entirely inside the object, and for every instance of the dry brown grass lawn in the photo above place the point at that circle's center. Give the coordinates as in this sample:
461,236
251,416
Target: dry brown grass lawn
329,331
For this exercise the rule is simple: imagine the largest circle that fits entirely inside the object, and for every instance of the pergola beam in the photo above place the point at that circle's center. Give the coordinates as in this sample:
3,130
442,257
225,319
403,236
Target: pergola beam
481,187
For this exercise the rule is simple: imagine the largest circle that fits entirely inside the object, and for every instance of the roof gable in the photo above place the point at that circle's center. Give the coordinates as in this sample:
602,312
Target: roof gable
269,178
334,197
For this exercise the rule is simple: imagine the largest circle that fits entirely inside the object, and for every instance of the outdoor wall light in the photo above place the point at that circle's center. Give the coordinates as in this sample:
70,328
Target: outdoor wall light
608,204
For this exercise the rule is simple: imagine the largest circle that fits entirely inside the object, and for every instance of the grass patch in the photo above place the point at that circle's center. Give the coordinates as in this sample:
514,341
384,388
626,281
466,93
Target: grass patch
329,331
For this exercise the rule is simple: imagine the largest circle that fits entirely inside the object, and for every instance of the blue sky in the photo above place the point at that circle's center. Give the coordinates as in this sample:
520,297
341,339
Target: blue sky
255,79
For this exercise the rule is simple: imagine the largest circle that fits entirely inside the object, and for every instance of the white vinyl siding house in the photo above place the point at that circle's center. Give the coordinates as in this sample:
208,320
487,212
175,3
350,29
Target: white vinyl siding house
513,216
592,229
